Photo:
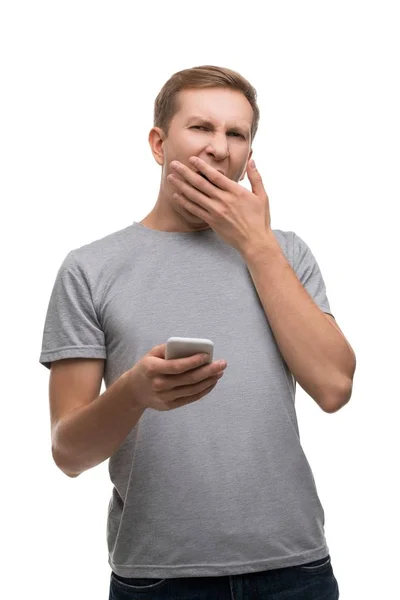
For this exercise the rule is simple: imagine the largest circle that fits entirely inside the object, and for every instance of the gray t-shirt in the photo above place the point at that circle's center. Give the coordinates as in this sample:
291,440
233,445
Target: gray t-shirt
220,486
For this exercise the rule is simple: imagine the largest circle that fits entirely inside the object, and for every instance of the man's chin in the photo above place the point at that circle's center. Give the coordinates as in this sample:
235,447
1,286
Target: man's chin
192,219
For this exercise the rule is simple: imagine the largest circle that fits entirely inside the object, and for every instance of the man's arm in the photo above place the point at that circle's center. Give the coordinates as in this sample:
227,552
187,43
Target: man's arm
87,430
313,347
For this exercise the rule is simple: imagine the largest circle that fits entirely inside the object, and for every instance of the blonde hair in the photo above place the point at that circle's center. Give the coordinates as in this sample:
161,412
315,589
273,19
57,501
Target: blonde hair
166,104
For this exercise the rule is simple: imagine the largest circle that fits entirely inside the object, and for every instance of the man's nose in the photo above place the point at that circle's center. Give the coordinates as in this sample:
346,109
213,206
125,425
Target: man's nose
218,147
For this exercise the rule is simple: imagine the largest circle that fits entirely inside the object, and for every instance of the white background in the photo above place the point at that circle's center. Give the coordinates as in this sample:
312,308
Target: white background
78,83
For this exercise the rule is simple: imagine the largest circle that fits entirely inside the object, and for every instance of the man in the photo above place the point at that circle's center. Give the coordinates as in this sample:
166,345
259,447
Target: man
217,499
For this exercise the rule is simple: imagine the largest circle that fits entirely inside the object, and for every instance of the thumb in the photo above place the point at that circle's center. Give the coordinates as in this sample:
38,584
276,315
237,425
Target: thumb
254,176
158,351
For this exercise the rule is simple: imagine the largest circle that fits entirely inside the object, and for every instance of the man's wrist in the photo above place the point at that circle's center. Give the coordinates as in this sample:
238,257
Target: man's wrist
129,381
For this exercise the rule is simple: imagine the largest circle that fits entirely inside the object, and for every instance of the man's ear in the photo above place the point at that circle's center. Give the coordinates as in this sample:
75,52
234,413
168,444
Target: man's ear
156,140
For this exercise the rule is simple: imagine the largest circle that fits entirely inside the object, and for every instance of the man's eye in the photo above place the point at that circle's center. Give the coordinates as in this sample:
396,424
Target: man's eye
235,133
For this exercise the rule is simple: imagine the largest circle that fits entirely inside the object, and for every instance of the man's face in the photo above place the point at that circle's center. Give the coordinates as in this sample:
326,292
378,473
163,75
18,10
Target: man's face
213,124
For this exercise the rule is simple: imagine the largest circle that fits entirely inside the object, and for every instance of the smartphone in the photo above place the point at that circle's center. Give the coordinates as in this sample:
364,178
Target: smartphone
181,347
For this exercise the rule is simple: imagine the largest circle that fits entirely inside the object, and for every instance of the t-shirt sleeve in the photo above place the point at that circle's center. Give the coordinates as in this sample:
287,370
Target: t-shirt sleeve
72,328
309,273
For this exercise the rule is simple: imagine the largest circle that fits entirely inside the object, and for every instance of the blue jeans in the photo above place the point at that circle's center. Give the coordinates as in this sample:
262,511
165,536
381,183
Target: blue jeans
311,581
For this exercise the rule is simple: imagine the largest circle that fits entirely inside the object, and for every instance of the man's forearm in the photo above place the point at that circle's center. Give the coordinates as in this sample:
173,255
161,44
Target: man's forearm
88,436
318,355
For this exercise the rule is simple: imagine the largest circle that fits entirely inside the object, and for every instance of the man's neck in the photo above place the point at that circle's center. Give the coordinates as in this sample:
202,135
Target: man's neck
172,223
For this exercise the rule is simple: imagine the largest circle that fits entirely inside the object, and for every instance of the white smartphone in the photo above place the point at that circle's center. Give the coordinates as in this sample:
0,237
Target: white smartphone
181,347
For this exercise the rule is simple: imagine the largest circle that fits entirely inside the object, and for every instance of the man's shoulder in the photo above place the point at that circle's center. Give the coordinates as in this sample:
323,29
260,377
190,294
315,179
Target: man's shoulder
104,247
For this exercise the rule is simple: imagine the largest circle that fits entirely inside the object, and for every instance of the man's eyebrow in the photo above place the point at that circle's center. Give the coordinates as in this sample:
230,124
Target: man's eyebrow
209,123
